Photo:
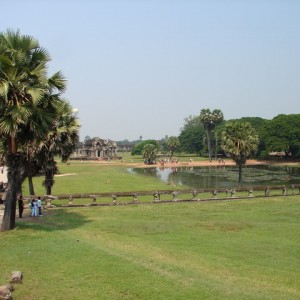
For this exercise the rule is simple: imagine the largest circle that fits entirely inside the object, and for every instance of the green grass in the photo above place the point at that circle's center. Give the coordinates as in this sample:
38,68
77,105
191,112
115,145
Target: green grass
96,178
92,177
218,250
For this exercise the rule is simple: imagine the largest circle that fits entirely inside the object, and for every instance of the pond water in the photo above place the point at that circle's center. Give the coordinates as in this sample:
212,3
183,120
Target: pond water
223,177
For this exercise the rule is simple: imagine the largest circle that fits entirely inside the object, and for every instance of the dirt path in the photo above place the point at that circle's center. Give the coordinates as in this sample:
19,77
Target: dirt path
207,163
3,175
1,216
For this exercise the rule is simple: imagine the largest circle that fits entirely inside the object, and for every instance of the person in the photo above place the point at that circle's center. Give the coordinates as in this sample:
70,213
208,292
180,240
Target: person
33,208
21,206
39,206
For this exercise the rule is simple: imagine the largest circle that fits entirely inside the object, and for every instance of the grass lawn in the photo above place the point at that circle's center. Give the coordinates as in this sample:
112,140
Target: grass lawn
89,177
93,177
244,249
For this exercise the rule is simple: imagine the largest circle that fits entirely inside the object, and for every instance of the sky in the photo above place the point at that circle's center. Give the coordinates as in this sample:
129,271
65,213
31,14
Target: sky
139,68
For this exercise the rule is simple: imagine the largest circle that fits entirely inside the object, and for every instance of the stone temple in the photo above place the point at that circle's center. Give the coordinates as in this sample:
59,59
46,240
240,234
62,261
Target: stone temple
96,149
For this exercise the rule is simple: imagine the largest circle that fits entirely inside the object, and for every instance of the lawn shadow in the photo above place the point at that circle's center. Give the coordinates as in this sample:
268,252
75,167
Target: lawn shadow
52,220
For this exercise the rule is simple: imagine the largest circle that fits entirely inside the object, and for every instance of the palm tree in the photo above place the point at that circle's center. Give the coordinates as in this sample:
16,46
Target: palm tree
61,141
33,135
22,86
149,153
173,144
27,108
48,111
239,141
210,119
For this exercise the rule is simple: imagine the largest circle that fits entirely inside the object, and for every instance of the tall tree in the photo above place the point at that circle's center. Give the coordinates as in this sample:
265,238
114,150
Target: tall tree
239,141
34,136
257,123
24,116
61,141
282,134
138,148
22,86
173,144
210,119
191,135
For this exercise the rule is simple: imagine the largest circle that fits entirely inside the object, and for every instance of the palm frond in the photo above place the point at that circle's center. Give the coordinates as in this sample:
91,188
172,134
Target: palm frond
58,81
36,94
4,87
39,71
41,54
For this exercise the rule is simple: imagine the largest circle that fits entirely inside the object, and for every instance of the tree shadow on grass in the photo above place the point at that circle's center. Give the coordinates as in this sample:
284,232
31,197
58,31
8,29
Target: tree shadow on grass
53,220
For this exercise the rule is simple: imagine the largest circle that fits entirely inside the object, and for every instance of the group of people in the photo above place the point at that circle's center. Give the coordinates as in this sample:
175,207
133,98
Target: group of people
168,160
35,207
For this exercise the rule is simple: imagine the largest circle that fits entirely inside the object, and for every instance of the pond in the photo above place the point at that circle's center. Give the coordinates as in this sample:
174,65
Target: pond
223,177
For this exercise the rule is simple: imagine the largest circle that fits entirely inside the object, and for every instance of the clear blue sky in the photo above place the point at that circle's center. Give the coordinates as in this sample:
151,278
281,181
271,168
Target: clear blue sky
139,68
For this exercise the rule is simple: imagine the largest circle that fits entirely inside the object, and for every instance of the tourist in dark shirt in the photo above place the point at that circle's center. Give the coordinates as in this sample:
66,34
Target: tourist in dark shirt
21,206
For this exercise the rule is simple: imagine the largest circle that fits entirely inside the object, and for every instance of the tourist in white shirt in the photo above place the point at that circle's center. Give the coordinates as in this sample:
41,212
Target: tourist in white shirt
39,206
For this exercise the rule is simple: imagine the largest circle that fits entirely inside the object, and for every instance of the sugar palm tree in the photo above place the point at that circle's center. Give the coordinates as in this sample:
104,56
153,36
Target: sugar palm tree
48,112
239,141
210,119
149,153
35,131
173,144
25,115
61,141
22,86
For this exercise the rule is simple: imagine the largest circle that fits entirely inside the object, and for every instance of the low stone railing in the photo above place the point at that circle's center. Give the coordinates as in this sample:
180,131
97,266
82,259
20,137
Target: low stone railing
160,196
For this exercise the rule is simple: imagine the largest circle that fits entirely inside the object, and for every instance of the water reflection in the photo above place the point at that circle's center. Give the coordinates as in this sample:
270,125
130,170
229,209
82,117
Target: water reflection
221,176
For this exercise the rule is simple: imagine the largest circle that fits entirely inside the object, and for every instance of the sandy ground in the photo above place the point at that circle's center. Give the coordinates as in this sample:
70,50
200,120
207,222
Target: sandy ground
226,162
3,175
67,174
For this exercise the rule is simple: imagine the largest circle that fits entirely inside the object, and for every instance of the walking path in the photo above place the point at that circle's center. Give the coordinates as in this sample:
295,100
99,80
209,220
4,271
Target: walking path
1,216
3,176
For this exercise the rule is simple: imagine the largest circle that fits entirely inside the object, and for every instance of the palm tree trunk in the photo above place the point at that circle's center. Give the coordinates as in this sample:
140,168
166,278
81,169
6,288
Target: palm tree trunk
216,147
48,190
208,144
49,181
30,172
30,185
240,173
9,218
8,221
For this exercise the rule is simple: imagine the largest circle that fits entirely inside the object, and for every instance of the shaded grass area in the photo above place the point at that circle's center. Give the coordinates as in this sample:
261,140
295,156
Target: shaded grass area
218,250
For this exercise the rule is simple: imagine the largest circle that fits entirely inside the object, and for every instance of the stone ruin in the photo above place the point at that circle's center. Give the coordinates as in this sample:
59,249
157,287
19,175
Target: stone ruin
96,149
